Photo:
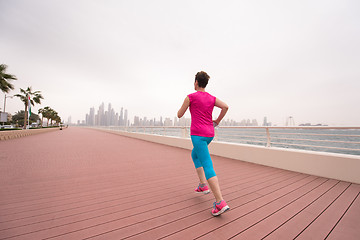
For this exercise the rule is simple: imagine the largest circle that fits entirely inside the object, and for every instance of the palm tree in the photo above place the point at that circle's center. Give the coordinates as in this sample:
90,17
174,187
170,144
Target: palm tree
5,79
50,114
41,111
53,116
35,97
46,114
57,120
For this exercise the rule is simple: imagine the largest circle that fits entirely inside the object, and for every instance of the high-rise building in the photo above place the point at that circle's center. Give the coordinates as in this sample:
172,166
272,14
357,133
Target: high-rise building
97,122
168,122
254,122
121,119
265,123
92,117
101,115
112,117
184,122
136,121
116,120
290,121
108,115
126,118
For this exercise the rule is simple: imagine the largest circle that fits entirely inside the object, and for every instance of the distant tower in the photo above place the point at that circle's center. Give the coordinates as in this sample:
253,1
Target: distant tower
254,122
126,118
265,123
92,117
290,121
122,123
101,115
108,116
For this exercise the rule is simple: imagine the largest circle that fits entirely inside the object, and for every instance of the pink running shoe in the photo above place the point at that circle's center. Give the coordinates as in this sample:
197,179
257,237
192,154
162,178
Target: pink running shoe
219,208
204,190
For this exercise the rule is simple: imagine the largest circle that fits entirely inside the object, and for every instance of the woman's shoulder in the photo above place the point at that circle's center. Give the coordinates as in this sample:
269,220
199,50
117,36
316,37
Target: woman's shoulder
192,94
200,94
210,95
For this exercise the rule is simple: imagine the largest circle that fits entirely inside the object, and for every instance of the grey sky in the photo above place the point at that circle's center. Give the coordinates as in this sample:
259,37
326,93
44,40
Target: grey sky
265,58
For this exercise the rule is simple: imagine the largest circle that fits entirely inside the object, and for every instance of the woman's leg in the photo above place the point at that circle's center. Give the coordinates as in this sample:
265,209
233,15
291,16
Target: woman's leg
201,175
198,167
201,152
215,188
201,155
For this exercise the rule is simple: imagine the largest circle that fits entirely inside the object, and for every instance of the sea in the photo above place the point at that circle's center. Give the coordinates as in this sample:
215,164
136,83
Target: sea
344,141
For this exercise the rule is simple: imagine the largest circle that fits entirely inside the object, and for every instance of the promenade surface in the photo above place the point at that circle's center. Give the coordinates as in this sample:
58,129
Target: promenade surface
87,184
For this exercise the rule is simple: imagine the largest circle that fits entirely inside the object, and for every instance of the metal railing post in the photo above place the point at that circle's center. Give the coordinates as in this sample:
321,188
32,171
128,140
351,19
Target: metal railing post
183,132
268,143
216,134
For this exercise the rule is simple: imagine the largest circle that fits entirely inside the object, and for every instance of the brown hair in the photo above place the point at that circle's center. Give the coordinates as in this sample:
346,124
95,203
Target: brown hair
202,78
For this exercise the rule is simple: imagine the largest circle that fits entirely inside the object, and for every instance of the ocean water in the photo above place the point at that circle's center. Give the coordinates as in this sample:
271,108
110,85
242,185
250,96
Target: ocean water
345,141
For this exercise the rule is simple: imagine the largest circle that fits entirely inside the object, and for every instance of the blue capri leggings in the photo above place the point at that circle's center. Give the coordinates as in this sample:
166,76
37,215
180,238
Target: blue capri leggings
201,156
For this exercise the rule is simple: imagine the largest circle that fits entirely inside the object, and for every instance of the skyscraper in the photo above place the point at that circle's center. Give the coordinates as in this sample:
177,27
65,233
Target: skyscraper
107,118
101,115
126,118
265,123
92,117
121,119
136,121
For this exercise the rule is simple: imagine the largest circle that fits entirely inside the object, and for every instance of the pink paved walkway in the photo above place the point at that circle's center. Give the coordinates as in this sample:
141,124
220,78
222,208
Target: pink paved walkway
86,184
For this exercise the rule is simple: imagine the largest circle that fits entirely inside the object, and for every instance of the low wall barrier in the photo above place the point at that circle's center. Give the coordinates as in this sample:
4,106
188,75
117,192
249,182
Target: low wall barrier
343,167
11,134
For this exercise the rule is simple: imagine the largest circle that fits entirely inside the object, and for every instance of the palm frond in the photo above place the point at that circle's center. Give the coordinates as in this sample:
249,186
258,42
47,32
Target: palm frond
5,86
5,78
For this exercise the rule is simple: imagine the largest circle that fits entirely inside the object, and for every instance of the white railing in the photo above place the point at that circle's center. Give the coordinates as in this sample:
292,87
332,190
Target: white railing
329,139
333,139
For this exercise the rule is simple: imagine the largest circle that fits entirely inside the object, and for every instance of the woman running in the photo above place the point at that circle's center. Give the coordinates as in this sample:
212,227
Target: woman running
201,106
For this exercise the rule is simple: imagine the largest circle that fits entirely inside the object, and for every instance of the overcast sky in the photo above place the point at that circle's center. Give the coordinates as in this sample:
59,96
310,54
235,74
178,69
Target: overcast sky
265,58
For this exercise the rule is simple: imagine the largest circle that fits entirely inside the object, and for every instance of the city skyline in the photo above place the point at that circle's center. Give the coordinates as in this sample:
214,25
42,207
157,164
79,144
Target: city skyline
106,118
110,117
113,118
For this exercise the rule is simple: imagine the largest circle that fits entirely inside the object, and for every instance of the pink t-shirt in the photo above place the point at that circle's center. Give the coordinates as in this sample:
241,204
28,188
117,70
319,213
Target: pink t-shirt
201,108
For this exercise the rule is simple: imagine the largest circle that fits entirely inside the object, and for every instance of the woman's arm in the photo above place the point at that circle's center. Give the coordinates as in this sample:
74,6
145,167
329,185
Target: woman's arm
184,107
224,108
